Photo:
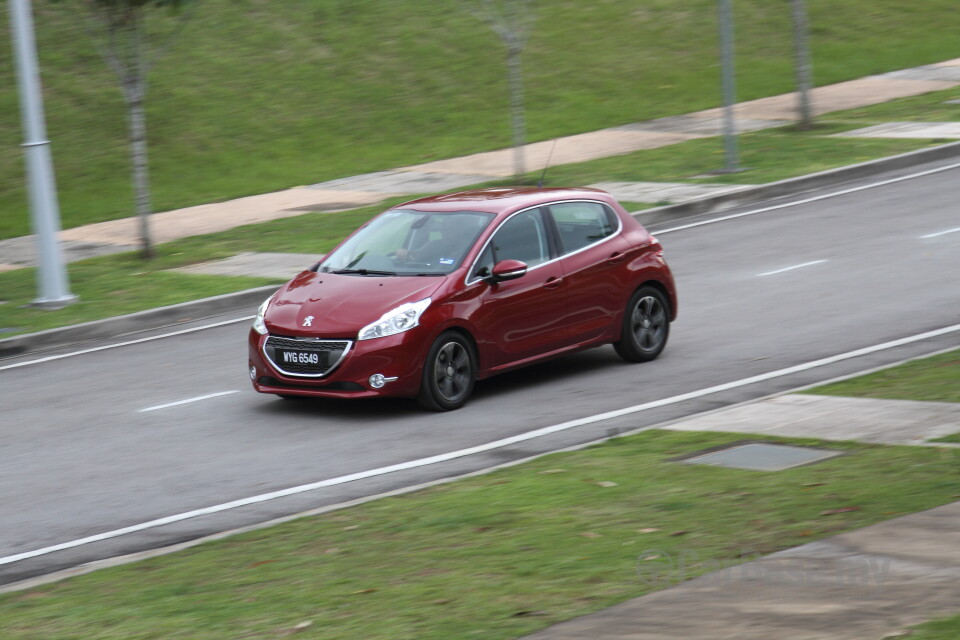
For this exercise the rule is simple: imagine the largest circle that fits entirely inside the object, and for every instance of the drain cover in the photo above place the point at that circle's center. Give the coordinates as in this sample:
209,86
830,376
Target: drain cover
762,457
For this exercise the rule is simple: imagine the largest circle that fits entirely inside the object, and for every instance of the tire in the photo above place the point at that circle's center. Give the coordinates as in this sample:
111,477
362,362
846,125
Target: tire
646,326
449,373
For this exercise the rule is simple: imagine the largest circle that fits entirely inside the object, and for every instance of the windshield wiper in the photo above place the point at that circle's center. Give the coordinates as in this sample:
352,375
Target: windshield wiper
365,272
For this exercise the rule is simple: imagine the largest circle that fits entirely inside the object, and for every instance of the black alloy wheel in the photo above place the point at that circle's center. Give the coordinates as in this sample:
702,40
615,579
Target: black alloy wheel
448,374
646,326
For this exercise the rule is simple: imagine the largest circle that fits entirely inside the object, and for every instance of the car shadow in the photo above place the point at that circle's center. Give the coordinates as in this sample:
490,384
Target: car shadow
548,372
370,410
376,410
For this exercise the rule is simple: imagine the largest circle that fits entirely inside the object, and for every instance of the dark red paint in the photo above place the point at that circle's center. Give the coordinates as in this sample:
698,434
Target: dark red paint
573,302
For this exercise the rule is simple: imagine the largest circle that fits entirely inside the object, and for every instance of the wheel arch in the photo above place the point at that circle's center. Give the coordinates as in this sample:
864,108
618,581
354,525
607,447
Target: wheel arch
468,336
667,294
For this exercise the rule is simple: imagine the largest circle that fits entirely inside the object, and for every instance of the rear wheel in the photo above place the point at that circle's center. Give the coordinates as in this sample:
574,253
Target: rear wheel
646,325
448,374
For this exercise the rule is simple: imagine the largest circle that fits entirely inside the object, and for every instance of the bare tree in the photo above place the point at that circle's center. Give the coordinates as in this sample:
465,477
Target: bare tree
801,55
125,44
512,20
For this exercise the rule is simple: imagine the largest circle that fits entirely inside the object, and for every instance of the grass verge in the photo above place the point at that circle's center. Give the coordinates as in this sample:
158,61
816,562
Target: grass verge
943,629
933,379
495,556
951,439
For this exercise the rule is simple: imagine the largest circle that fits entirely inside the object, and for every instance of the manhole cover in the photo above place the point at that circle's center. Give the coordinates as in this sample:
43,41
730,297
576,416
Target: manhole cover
762,457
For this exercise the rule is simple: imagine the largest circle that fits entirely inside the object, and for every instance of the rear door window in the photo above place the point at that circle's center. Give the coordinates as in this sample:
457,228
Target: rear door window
581,224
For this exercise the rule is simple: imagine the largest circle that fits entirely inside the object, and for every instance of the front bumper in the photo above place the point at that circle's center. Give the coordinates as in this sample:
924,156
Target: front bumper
399,356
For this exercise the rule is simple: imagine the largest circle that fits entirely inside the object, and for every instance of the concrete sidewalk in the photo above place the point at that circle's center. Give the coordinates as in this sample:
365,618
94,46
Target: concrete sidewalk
871,583
357,191
868,584
836,418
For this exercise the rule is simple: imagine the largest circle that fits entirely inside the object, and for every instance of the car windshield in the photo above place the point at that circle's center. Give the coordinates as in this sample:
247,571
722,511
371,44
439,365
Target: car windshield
405,242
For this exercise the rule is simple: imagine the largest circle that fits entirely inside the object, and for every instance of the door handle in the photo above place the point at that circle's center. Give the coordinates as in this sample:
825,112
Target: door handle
615,257
552,283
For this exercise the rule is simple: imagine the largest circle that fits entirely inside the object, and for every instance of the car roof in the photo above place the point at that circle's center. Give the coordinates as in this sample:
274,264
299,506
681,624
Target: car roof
503,199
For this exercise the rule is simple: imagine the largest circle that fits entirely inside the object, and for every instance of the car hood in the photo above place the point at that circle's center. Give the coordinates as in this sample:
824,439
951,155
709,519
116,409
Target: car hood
337,306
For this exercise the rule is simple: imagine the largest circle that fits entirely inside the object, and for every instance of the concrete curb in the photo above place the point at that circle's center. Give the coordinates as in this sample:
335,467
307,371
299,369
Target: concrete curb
136,322
249,299
793,186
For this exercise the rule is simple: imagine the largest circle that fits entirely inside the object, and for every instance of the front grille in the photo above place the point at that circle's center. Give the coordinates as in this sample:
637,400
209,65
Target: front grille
305,357
340,385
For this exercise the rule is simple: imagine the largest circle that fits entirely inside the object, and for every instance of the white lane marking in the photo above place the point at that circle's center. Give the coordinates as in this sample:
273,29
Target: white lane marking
189,400
124,344
497,444
812,199
941,233
796,266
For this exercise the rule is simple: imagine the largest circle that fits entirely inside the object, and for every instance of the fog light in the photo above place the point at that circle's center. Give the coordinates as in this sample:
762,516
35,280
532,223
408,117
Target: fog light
253,372
377,380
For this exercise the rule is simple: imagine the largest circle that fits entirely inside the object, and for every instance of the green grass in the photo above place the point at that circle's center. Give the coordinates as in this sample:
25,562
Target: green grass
943,629
108,287
933,379
260,96
496,556
928,107
773,154
768,156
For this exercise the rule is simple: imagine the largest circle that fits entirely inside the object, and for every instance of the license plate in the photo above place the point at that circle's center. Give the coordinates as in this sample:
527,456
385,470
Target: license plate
302,357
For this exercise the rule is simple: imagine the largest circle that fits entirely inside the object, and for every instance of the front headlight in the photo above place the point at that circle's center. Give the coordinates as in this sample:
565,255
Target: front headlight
404,317
258,324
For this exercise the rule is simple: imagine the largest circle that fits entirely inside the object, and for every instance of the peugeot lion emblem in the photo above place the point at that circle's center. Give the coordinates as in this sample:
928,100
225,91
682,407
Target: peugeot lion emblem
308,321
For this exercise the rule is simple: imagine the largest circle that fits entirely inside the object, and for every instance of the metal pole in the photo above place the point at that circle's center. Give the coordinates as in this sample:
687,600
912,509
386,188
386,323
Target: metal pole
729,86
52,285
801,55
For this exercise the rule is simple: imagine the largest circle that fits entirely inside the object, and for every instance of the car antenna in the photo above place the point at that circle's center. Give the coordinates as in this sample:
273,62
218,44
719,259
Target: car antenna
547,166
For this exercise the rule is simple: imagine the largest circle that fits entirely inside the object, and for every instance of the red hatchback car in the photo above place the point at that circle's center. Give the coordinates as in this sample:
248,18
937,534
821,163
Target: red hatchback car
435,294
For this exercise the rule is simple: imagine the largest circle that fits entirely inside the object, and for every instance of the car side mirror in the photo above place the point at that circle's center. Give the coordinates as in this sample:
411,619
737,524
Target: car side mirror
507,270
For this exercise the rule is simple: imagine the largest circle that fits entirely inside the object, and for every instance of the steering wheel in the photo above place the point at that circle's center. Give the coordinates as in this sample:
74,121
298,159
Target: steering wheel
400,257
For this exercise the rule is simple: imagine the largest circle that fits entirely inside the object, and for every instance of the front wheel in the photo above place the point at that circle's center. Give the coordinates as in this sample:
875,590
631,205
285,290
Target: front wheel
646,325
448,373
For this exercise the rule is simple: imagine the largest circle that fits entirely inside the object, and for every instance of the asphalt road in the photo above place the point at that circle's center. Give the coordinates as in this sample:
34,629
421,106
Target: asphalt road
93,443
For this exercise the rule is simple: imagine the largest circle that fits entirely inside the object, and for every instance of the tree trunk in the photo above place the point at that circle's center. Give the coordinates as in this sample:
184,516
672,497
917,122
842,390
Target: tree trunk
134,92
802,65
141,176
515,74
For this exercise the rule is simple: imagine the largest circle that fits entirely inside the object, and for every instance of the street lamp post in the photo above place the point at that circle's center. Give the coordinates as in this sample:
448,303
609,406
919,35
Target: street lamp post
54,291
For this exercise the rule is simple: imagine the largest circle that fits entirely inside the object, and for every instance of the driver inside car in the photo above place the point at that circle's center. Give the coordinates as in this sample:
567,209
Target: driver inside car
443,244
